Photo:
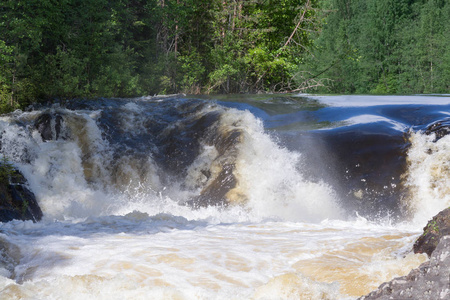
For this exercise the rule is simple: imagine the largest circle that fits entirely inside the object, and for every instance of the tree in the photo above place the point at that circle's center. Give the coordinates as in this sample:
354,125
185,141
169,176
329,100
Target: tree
382,46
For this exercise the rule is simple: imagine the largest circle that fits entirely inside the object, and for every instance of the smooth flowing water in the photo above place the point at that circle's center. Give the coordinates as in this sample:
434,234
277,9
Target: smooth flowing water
237,197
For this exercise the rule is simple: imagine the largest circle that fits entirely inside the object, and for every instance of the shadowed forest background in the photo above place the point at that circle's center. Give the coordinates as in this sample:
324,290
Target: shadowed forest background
117,48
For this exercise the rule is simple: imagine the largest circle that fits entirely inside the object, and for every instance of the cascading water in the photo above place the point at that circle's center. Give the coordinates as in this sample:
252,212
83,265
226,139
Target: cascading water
428,176
168,198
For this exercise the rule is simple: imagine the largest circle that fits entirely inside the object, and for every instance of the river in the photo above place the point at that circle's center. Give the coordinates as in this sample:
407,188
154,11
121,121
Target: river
223,197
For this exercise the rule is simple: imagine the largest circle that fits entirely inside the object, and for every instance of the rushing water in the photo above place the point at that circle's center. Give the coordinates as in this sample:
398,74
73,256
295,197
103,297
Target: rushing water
244,197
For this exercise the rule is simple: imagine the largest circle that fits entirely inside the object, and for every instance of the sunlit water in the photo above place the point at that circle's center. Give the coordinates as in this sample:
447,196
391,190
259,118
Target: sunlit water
117,226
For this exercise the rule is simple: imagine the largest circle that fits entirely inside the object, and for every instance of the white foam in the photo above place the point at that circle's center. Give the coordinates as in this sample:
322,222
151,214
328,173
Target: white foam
138,256
428,176
269,177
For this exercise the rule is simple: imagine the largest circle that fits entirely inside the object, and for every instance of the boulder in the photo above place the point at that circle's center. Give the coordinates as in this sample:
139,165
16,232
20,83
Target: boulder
436,228
16,200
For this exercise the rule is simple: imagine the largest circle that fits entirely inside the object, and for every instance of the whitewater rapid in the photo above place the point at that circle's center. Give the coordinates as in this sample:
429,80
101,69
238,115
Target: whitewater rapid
189,199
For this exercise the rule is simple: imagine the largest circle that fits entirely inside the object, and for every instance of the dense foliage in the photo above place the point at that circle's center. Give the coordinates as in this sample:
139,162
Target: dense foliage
124,48
383,47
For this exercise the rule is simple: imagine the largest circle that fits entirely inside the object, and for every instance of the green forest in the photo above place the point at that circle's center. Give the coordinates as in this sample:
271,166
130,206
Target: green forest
64,49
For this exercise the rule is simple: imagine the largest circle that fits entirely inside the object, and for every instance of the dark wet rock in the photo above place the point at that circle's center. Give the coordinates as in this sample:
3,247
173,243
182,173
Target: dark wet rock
440,129
49,126
17,202
431,280
433,232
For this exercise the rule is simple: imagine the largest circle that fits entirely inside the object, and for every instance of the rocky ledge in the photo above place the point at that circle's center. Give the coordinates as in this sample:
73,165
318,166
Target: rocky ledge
431,280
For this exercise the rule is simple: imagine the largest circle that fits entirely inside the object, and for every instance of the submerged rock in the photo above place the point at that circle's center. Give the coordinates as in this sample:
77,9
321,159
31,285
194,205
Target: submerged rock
433,232
16,200
440,129
49,126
